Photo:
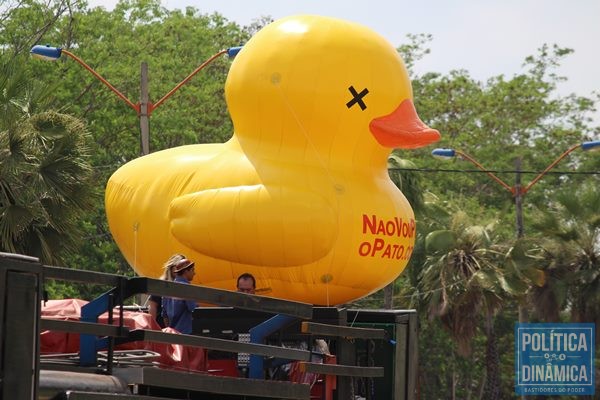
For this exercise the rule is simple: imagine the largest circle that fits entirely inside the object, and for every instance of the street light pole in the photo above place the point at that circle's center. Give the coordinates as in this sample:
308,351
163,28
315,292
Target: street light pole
518,191
144,107
144,116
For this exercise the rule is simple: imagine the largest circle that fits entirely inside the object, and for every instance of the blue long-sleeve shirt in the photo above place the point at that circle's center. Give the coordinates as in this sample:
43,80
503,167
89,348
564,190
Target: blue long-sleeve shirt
179,311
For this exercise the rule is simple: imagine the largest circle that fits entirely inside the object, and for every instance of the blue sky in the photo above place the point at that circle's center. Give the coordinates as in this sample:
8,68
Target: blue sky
487,38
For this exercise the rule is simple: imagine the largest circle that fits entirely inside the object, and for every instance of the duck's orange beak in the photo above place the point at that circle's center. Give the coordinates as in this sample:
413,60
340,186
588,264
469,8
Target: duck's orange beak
403,128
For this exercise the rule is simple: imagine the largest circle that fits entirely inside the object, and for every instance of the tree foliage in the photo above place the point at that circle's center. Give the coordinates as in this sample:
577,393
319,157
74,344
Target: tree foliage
496,121
45,171
115,43
571,262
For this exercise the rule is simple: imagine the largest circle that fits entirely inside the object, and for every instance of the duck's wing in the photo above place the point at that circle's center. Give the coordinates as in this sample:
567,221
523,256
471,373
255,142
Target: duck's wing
255,225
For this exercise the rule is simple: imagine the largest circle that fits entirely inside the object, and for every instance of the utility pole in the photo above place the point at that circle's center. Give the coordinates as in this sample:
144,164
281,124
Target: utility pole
144,116
518,193
144,108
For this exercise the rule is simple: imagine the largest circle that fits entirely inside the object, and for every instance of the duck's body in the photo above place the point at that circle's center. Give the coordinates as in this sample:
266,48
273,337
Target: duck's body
300,195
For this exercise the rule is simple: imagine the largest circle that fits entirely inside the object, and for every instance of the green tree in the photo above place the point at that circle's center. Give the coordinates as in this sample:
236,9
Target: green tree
173,44
402,173
45,171
501,119
463,281
25,22
114,43
571,245
495,120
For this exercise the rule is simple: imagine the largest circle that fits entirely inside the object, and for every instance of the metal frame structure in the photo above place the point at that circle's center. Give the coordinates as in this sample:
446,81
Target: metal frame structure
86,376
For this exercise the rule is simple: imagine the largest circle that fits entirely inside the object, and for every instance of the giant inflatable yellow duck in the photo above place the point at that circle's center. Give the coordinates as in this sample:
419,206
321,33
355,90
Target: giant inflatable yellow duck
300,195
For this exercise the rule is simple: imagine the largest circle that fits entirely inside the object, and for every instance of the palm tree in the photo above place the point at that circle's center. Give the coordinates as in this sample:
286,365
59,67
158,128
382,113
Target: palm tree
571,244
45,172
462,279
402,173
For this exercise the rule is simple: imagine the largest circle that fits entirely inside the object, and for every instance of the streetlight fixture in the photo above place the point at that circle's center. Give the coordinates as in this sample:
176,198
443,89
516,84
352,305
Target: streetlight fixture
517,191
144,107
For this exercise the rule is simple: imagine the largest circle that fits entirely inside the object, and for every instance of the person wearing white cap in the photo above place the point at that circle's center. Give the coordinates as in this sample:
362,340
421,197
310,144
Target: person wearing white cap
155,301
178,312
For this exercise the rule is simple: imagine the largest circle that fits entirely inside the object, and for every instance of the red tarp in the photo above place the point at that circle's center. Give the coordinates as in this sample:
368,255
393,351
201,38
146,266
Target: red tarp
172,356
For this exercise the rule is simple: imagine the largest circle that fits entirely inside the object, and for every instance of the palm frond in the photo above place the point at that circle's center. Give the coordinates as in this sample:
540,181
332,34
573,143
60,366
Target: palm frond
44,170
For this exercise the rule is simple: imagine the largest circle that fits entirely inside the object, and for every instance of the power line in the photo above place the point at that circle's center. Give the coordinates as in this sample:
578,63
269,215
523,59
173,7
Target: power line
500,171
461,171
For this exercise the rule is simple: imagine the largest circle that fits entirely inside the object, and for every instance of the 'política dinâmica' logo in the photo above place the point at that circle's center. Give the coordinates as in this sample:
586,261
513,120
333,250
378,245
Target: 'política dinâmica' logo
554,359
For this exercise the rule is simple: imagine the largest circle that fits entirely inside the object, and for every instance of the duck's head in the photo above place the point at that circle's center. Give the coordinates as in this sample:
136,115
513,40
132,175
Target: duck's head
311,76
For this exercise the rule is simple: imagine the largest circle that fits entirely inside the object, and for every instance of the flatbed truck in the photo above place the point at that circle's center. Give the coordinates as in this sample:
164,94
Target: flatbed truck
374,352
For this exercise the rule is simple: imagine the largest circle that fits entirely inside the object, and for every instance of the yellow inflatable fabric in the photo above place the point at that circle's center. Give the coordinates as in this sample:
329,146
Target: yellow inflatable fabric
300,195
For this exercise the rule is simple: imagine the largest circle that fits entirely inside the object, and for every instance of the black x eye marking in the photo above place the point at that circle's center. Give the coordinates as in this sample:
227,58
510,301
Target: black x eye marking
357,98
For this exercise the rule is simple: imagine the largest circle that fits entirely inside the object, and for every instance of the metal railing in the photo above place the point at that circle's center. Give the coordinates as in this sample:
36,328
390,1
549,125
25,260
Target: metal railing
23,277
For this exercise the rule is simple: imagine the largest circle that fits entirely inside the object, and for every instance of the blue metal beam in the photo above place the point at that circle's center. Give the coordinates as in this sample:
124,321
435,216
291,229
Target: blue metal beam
258,334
